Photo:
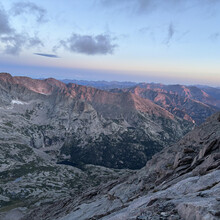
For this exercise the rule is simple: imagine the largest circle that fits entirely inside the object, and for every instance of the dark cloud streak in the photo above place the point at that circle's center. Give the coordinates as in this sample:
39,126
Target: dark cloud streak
170,34
47,55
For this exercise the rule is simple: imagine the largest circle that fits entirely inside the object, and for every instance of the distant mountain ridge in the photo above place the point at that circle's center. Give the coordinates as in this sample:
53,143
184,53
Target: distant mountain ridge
179,105
101,84
192,103
106,85
205,94
191,92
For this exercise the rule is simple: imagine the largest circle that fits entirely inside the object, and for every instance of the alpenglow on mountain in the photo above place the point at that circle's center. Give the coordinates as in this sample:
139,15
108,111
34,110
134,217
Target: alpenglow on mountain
192,103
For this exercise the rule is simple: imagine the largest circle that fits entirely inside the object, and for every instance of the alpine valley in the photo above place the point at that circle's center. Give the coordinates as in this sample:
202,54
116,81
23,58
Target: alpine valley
108,150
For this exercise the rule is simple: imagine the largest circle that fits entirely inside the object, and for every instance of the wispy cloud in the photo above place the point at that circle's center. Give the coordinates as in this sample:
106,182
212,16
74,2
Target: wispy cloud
4,23
89,44
47,55
138,6
35,42
147,6
215,36
170,33
14,43
108,3
11,41
26,7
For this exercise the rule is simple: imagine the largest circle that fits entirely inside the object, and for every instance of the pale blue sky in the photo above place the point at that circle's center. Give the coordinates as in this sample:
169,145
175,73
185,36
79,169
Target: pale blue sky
168,41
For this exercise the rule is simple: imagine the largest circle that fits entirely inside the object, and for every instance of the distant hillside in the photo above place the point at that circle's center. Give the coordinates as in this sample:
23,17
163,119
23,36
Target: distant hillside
193,103
101,84
176,99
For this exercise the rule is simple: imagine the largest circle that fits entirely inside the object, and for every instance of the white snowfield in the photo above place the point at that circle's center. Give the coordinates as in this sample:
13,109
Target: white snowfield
18,102
13,102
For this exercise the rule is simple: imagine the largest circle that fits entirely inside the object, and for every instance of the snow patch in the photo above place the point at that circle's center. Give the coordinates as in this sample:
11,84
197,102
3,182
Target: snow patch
13,102
18,102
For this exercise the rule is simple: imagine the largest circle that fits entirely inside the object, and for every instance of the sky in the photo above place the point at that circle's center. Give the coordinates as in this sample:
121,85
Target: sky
165,41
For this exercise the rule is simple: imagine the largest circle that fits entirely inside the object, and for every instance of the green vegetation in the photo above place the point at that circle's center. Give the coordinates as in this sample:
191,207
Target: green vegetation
9,124
7,206
25,169
29,113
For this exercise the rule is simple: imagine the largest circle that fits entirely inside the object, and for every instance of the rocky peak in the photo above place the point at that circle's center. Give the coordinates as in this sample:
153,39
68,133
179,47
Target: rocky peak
55,83
125,99
36,85
6,77
45,87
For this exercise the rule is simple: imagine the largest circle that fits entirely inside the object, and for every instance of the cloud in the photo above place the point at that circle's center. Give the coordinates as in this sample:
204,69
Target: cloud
214,37
47,55
4,23
144,30
35,42
89,44
137,6
170,33
147,6
29,8
113,2
12,42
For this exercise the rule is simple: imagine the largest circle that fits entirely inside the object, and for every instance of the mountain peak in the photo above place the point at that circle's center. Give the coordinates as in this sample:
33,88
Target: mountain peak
55,83
6,77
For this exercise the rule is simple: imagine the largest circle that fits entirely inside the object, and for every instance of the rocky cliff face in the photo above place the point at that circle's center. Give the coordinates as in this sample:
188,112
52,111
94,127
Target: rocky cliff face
180,182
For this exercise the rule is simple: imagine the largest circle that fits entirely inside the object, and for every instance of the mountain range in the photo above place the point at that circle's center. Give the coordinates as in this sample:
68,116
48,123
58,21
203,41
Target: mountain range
81,125
64,140
193,103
